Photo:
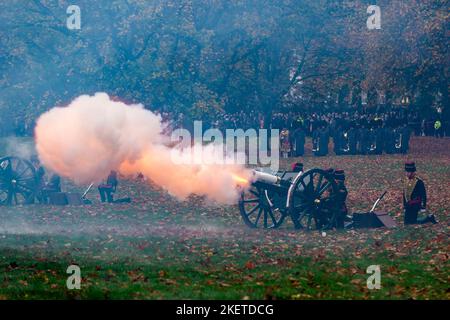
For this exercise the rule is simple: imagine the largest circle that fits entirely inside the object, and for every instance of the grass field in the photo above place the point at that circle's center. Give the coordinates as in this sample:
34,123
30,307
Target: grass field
160,248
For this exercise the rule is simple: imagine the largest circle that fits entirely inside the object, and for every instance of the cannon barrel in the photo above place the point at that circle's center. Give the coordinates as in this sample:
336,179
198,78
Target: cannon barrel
267,178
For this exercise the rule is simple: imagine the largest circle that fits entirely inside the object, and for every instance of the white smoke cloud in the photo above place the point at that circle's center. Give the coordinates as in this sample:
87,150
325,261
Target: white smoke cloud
94,135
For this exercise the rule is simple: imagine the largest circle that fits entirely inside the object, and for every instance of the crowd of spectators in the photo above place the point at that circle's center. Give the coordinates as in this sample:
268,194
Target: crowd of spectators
373,131
290,120
310,121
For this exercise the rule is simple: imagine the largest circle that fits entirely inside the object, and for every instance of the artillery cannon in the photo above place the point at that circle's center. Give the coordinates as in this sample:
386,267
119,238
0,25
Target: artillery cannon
21,184
308,198
18,181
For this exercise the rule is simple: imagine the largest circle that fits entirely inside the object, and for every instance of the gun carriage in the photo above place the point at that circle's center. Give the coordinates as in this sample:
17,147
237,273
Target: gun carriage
18,181
308,198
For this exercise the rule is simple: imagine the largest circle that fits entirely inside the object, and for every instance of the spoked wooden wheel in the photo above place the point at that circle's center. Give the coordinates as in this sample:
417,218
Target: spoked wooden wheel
261,208
313,203
17,181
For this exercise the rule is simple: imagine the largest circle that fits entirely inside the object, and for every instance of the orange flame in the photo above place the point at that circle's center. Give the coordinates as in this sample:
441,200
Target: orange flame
242,182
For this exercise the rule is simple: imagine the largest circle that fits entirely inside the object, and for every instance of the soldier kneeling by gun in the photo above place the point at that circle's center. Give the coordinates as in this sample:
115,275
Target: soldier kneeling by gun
339,177
336,205
415,197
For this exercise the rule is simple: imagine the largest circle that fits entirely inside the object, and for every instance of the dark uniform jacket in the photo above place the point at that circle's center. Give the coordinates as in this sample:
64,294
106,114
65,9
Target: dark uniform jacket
414,194
406,134
379,141
342,210
299,136
40,176
322,137
339,142
364,141
352,141
414,199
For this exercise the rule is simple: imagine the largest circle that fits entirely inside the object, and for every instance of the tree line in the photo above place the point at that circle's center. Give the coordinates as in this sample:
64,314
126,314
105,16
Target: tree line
200,57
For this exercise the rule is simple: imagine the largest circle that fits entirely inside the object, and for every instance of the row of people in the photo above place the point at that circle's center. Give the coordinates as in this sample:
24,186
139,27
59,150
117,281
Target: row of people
45,187
347,141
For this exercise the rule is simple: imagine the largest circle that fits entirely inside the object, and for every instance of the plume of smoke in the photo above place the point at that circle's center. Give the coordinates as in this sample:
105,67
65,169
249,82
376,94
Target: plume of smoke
94,135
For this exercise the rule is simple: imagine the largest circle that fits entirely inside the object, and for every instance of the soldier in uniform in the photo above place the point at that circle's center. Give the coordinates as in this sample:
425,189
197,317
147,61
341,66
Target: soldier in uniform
40,178
315,141
339,141
40,171
53,186
352,140
108,189
378,138
398,140
414,197
327,206
299,137
364,139
406,134
339,177
389,140
322,139
335,204
371,141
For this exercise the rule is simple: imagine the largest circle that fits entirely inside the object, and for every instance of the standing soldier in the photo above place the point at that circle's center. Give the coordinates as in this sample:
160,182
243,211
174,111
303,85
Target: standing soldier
364,139
315,142
406,135
339,141
414,197
378,137
372,142
389,143
299,137
352,136
398,140
322,139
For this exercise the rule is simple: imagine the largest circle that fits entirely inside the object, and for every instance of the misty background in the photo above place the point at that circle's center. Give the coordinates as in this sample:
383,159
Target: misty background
198,57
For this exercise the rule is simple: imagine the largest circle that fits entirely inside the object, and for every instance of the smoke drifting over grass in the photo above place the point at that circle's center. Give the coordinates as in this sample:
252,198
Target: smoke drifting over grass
16,146
95,134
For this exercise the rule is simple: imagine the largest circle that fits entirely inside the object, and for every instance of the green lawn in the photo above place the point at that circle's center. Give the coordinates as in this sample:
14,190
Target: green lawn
159,248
